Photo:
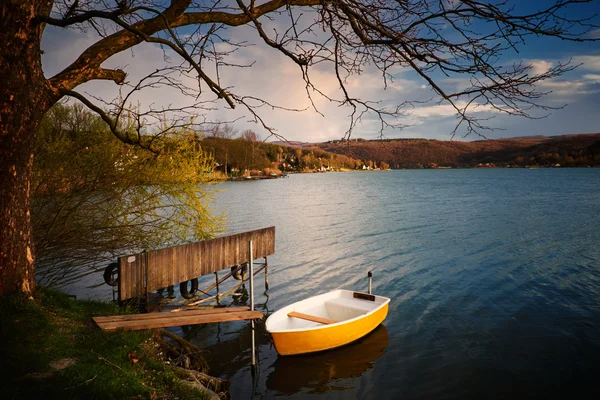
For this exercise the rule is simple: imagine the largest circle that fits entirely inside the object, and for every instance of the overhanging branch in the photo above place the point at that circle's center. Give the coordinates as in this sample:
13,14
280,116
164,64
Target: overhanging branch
112,124
174,17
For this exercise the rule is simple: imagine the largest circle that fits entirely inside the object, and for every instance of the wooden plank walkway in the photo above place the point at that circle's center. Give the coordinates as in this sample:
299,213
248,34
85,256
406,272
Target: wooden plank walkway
167,319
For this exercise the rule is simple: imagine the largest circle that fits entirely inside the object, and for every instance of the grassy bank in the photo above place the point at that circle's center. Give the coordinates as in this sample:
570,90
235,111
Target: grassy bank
50,348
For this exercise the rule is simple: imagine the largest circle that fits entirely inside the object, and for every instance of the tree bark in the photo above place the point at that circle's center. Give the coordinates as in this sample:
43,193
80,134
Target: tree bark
24,98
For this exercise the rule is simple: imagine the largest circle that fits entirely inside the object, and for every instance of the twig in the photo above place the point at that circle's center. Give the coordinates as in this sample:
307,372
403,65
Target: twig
106,361
82,383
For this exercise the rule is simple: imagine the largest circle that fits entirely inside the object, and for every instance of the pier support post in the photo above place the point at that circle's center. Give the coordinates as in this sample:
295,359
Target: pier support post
251,266
266,274
217,285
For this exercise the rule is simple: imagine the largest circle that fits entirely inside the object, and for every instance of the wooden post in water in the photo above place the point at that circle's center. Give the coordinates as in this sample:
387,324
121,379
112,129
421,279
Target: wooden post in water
266,274
370,275
251,266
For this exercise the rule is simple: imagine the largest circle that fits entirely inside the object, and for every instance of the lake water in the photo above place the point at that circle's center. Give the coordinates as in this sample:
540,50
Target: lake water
494,276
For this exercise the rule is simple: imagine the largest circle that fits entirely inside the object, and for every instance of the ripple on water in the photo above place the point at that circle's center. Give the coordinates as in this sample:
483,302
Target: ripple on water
494,278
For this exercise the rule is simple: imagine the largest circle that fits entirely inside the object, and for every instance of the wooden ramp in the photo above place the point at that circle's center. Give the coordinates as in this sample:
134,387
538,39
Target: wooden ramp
167,319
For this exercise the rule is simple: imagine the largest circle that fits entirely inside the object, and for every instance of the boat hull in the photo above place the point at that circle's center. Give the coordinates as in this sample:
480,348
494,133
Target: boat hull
329,336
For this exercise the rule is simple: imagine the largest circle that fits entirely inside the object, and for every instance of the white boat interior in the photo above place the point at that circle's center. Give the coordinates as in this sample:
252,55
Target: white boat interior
340,306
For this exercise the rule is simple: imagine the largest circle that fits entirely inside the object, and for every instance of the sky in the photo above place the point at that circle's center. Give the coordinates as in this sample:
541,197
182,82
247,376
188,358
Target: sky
278,80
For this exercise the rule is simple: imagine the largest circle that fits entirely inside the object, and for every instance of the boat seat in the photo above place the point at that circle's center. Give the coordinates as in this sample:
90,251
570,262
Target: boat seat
313,318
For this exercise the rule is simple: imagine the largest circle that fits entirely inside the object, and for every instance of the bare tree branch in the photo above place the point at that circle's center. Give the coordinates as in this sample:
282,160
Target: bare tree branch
434,38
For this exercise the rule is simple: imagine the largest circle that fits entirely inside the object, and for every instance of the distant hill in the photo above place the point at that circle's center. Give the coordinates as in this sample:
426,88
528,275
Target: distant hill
292,143
566,150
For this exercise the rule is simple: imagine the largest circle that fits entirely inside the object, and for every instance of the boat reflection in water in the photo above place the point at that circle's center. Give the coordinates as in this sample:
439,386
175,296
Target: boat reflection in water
316,372
227,351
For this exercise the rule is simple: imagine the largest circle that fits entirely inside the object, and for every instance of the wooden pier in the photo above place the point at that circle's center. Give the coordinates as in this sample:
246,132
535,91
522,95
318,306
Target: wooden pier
143,273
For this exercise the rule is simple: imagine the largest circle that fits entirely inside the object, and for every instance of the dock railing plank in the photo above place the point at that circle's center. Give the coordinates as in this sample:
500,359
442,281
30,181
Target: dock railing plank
148,271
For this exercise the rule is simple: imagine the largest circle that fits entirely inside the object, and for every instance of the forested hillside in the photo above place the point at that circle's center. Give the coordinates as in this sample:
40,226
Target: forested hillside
566,151
247,156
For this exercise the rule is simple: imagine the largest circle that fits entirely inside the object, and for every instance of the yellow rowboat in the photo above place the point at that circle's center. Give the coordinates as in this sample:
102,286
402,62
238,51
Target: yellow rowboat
325,321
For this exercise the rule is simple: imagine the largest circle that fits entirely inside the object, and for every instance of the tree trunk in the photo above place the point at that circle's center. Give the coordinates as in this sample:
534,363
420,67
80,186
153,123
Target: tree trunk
24,98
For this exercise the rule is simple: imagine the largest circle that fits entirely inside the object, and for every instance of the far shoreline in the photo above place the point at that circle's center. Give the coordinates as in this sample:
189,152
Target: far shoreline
287,174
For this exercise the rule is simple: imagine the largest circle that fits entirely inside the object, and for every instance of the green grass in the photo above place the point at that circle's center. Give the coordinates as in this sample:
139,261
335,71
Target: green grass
35,335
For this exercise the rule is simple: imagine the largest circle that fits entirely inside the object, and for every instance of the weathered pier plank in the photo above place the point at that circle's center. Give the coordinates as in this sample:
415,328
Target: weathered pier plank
164,320
161,315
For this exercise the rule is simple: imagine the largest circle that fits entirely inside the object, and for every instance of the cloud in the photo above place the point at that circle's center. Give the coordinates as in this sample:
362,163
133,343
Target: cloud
567,87
595,34
539,67
592,77
567,91
590,63
446,110
563,90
